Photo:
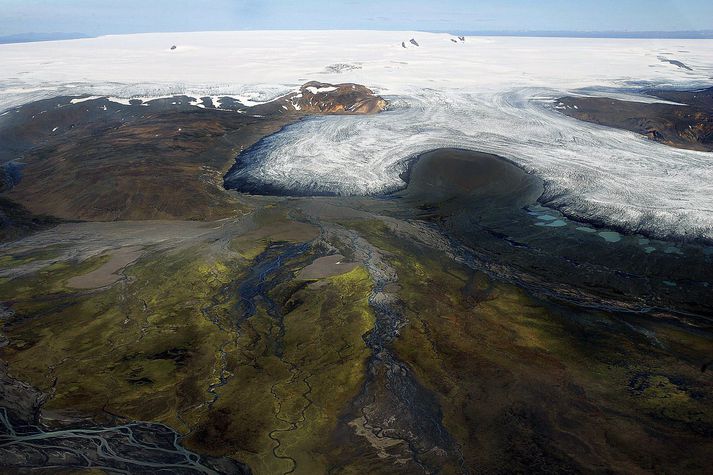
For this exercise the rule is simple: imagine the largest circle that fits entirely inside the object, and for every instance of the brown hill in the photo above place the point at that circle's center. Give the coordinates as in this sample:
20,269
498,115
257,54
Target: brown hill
103,161
322,98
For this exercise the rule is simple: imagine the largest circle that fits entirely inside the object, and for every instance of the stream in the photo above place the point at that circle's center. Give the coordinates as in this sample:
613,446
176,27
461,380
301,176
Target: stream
136,447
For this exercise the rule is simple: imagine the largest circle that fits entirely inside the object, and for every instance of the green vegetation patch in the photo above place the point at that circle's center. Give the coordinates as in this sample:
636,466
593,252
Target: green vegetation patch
143,349
287,389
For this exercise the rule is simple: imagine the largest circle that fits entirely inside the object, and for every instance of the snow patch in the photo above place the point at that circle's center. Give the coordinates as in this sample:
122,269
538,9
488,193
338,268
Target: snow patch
197,101
318,90
120,100
84,99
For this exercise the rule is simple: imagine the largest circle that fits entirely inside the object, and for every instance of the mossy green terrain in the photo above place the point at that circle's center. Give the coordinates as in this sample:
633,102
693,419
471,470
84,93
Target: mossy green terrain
526,385
168,343
286,390
217,337
128,350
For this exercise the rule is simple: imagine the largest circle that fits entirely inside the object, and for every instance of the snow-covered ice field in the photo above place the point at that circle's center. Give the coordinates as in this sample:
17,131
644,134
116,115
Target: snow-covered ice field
489,94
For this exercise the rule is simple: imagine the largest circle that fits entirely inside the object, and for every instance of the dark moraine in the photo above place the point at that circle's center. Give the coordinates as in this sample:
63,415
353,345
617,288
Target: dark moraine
489,207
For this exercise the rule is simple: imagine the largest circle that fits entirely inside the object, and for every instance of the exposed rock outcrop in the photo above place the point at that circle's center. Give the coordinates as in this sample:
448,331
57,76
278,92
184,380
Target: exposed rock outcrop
323,98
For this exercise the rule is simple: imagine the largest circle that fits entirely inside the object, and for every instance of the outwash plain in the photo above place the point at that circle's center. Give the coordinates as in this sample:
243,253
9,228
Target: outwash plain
341,252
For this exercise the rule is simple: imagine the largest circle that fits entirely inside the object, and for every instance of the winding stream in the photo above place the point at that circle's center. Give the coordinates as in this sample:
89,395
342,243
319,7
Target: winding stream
392,404
268,272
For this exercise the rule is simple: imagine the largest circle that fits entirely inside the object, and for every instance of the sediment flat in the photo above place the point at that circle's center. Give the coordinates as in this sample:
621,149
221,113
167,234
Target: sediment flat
108,273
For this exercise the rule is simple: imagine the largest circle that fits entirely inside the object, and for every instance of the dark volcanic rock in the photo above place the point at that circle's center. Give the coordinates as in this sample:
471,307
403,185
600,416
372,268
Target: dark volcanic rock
688,124
675,62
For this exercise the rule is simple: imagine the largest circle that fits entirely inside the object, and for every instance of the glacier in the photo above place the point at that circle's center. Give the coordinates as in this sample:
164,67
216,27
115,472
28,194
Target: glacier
494,95
590,172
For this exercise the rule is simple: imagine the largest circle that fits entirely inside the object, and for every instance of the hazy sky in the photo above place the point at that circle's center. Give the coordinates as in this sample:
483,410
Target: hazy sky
96,17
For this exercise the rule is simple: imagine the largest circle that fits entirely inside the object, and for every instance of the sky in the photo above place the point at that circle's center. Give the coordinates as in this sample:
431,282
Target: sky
98,17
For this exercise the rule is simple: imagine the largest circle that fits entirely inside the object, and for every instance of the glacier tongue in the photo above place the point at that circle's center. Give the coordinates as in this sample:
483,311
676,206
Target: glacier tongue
591,172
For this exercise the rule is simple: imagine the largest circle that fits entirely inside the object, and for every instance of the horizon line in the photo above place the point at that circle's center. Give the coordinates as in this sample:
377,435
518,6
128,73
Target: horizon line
30,37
